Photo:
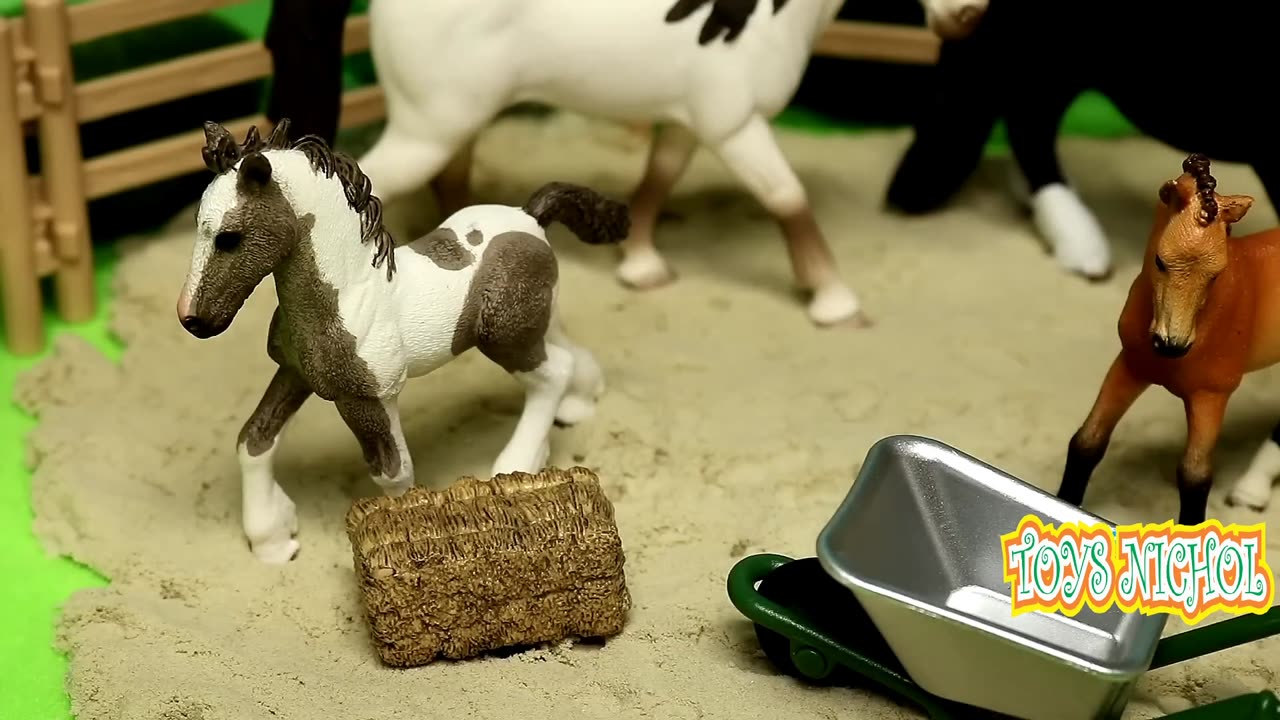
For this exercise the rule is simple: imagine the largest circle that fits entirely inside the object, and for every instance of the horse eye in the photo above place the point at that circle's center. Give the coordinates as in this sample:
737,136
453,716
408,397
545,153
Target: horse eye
226,241
1160,265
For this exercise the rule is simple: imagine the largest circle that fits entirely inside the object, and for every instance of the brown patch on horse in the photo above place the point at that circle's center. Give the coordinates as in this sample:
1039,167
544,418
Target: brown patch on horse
255,236
594,218
444,249
508,306
284,396
475,237
369,422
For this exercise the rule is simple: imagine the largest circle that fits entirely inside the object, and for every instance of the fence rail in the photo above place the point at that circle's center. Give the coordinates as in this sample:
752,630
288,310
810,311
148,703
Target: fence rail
43,220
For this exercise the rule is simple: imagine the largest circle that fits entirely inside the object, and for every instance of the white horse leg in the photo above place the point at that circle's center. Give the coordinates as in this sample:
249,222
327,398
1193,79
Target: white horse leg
452,186
1253,489
753,155
376,425
544,387
268,516
1078,242
642,267
586,384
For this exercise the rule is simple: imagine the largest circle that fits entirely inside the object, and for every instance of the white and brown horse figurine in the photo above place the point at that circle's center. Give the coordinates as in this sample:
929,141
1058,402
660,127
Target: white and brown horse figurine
357,316
705,72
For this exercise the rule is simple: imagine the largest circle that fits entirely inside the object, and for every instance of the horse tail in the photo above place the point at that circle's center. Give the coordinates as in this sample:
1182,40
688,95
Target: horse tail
594,218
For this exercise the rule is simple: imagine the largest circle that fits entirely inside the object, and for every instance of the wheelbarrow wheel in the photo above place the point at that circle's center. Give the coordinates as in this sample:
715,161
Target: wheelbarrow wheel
804,588
778,649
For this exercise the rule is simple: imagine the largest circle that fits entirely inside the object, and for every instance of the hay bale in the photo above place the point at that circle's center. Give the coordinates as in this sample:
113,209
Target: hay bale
487,564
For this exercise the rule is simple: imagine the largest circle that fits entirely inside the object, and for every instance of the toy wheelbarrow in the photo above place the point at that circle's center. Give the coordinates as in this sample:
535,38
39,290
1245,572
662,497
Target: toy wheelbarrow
929,618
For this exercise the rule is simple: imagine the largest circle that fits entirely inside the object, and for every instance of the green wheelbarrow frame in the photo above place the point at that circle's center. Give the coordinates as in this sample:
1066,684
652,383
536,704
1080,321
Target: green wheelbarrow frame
815,652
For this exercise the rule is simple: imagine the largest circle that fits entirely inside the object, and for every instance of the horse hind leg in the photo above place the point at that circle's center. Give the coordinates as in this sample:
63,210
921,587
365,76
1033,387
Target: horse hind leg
268,516
1253,489
642,267
586,383
507,316
545,371
753,155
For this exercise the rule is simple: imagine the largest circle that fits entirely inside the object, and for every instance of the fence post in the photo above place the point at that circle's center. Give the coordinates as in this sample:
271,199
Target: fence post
61,159
23,306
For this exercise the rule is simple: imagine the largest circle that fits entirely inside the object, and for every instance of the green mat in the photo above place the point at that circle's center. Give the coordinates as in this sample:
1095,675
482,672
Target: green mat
35,584
31,671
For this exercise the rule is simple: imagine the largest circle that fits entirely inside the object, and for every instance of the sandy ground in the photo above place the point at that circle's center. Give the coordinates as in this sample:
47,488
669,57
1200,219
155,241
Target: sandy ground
730,426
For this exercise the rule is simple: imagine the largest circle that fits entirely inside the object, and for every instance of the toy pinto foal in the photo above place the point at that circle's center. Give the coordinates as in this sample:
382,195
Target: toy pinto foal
1203,311
358,316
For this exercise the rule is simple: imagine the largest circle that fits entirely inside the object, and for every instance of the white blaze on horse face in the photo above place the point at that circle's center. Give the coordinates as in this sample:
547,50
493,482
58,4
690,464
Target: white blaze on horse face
953,19
216,201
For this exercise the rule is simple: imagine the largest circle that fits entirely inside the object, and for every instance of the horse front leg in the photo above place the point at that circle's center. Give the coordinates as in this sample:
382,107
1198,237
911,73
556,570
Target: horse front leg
753,155
1195,473
376,424
268,516
642,267
1253,489
1120,389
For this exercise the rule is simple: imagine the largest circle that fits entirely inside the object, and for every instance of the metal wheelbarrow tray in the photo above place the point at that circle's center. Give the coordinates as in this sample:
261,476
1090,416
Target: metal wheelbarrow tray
929,619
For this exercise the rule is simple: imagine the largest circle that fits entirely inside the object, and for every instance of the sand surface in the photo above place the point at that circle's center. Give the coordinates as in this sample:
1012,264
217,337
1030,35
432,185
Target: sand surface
730,426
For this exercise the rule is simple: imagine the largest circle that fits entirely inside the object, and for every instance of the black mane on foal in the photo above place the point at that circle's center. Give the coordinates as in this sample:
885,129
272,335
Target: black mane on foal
221,152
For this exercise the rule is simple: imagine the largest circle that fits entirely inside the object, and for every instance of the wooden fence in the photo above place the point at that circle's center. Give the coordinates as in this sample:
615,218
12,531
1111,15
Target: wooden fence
43,220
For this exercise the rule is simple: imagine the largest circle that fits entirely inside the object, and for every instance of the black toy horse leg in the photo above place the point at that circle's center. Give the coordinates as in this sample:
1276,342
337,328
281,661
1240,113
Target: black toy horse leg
1061,218
1033,122
951,134
946,150
304,38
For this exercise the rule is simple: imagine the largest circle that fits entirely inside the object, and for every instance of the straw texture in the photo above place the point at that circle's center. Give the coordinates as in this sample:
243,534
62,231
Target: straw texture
487,564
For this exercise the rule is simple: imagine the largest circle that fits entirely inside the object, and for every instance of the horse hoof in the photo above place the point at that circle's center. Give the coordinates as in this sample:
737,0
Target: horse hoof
277,553
837,306
573,410
644,271
1243,500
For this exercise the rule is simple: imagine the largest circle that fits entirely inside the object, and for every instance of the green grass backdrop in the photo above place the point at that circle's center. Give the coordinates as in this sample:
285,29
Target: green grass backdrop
33,584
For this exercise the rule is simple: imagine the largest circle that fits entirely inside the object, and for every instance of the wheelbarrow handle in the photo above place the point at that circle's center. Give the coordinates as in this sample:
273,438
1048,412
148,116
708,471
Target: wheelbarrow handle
1253,706
742,593
1214,638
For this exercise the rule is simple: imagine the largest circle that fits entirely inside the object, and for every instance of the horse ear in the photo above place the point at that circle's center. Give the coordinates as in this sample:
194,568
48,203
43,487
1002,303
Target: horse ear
255,171
279,137
220,150
1233,208
252,140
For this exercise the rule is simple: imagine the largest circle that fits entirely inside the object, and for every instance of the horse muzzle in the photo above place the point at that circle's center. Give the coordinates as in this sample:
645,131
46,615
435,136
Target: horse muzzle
1167,348
200,327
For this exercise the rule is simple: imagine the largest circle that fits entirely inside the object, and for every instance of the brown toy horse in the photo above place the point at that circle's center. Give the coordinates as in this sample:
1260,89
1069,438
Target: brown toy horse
1203,311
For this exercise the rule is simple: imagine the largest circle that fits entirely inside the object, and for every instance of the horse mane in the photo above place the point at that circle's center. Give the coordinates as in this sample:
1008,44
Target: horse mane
222,152
1197,166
